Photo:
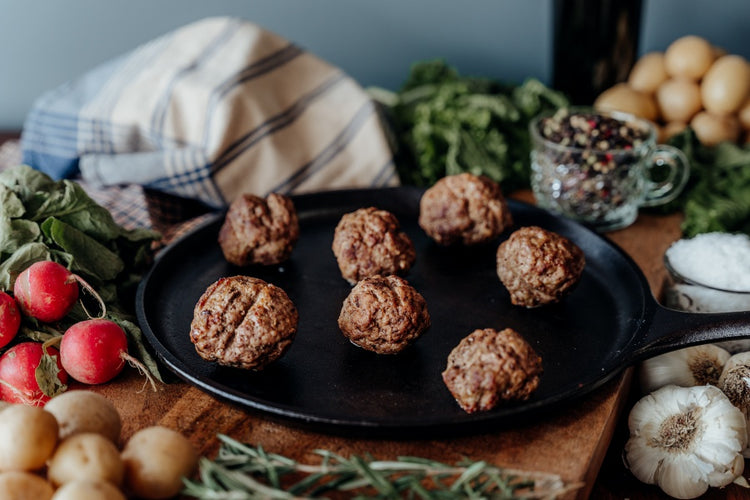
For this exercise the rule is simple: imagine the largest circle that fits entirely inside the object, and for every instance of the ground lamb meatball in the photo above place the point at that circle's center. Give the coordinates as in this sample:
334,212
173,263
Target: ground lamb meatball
259,231
243,322
384,314
464,208
369,242
490,366
538,267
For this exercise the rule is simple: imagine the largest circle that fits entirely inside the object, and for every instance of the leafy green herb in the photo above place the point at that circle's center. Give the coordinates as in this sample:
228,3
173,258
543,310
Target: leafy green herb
243,472
43,219
717,196
444,123
46,375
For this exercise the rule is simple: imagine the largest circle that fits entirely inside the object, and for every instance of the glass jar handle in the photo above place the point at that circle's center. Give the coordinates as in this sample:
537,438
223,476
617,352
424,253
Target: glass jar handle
663,191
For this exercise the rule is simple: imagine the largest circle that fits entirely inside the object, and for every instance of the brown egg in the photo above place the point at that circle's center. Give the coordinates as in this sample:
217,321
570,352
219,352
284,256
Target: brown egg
712,128
689,57
679,99
621,97
648,73
726,84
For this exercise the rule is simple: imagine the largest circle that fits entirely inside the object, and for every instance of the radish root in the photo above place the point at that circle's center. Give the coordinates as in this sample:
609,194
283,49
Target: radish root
22,395
141,369
53,342
90,289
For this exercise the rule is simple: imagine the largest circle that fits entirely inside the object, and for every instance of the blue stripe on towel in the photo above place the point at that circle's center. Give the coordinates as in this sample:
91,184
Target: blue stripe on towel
249,72
283,119
160,111
385,174
258,68
338,144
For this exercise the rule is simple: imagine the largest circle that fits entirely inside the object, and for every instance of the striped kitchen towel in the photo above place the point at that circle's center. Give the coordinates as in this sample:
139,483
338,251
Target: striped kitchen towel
209,111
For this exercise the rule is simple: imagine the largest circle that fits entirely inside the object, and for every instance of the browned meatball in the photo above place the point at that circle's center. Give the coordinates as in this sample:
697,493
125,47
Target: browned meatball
384,314
259,231
538,266
490,366
370,241
464,208
243,322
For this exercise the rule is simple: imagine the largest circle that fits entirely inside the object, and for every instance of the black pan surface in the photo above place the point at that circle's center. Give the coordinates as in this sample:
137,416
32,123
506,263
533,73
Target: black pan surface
327,383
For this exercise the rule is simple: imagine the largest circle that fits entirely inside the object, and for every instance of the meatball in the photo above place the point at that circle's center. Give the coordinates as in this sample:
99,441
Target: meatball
259,231
384,314
369,242
243,322
464,208
538,266
489,366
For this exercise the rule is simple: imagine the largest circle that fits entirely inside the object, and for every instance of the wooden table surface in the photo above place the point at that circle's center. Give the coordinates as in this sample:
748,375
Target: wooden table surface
581,442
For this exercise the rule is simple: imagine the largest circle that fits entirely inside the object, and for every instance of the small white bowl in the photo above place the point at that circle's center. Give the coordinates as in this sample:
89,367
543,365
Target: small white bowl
685,294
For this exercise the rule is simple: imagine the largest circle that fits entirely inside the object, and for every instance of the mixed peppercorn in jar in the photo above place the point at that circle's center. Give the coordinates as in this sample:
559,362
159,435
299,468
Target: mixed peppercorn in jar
590,166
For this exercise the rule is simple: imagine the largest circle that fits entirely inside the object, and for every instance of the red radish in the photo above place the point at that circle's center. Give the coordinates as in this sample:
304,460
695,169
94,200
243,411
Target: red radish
18,382
10,318
94,351
46,291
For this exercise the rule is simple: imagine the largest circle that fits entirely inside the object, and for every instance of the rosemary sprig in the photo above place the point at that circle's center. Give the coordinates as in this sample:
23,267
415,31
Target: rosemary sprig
244,472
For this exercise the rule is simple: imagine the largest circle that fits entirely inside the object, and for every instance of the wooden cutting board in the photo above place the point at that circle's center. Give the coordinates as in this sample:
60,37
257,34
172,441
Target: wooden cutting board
571,441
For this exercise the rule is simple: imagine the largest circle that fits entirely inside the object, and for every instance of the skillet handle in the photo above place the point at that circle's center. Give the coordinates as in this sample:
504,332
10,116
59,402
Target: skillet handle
671,329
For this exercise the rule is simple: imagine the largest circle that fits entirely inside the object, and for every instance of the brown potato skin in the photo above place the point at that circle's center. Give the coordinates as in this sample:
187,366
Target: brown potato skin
79,411
156,459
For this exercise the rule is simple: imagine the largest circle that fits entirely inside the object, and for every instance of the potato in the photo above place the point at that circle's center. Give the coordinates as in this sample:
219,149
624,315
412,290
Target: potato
726,85
679,99
744,115
621,97
648,73
86,456
711,129
670,129
16,485
689,57
28,436
88,490
156,458
85,411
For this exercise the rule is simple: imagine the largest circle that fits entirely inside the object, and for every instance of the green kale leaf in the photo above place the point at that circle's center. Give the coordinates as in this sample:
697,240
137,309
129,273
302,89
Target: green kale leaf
717,196
443,123
43,219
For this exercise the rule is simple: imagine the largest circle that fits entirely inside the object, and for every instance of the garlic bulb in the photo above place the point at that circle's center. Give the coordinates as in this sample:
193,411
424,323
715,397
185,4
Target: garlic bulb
695,365
685,439
735,383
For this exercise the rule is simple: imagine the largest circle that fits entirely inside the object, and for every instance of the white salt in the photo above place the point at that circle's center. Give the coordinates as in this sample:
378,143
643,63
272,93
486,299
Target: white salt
719,260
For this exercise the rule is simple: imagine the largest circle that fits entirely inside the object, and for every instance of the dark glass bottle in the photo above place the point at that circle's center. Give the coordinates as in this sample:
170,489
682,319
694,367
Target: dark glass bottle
596,45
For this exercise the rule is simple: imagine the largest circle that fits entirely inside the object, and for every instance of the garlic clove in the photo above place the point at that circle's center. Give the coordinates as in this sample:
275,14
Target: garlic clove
641,459
735,383
686,439
681,477
735,346
694,365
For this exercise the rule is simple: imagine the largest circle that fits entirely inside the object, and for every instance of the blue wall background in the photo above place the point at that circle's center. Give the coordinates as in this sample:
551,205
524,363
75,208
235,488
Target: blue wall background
44,43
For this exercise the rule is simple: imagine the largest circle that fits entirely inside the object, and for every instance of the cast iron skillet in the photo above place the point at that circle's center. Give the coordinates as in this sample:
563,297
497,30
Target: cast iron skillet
324,382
